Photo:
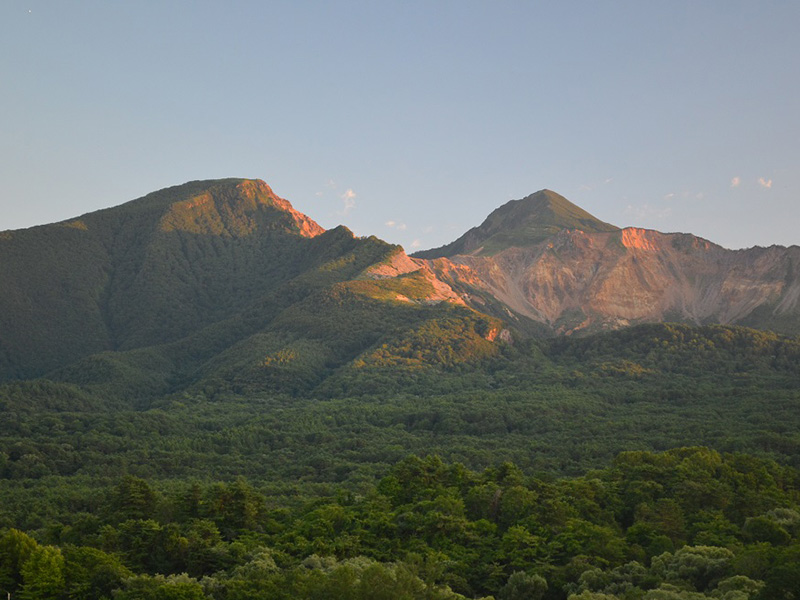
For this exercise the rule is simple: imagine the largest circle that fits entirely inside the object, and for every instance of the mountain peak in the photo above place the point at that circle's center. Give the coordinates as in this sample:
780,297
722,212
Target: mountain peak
234,207
522,223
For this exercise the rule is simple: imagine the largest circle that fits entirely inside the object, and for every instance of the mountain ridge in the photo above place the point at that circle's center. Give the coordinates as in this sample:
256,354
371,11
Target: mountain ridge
159,286
577,281
216,285
551,268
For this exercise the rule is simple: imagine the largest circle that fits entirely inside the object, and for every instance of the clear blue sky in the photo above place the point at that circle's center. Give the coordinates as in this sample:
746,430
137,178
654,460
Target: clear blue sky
411,120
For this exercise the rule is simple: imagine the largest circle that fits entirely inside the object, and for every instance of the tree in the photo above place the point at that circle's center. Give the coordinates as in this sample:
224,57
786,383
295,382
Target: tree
700,566
523,586
43,574
15,549
133,498
92,573
173,587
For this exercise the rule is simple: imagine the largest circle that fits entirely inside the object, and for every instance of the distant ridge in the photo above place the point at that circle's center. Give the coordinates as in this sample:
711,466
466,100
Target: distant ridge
521,223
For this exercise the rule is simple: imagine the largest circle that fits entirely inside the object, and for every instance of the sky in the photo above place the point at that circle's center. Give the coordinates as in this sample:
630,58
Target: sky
411,120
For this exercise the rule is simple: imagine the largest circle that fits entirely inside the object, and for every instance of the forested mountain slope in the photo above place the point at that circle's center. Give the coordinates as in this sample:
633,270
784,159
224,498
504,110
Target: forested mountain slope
147,272
219,282
205,395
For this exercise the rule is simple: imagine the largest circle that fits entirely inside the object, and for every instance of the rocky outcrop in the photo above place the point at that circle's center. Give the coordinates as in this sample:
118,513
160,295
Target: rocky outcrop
400,264
579,281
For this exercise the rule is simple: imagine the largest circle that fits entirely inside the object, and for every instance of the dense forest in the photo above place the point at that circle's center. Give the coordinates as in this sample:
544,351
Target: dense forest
689,523
657,462
203,394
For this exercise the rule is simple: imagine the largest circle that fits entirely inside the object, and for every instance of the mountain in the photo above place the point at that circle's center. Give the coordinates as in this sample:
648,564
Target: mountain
550,267
203,393
218,286
214,285
521,223
143,273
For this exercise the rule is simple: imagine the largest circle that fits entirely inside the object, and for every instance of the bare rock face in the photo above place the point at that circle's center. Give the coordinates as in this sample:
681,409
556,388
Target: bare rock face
400,264
584,281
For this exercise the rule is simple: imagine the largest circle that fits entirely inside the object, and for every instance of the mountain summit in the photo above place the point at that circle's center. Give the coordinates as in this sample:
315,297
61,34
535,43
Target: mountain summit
544,260
522,223
147,272
220,282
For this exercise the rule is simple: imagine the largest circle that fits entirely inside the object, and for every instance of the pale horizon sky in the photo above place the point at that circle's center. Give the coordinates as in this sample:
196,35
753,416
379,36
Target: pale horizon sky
411,120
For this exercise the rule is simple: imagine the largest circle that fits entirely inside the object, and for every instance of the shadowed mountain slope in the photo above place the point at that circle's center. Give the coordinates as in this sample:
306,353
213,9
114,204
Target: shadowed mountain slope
216,286
147,272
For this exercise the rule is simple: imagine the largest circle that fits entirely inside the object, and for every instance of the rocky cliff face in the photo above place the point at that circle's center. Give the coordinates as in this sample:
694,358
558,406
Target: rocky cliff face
577,280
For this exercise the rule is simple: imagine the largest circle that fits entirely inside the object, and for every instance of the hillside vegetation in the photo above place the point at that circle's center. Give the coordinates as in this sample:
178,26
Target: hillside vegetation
205,395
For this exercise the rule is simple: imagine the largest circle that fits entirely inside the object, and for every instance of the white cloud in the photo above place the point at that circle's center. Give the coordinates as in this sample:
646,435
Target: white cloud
328,185
589,187
396,225
736,181
349,199
416,244
645,211
685,195
767,183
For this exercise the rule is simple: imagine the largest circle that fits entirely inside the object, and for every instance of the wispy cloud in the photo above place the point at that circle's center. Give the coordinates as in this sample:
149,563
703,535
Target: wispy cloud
685,195
736,181
645,211
767,183
416,244
588,187
329,185
396,225
349,199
